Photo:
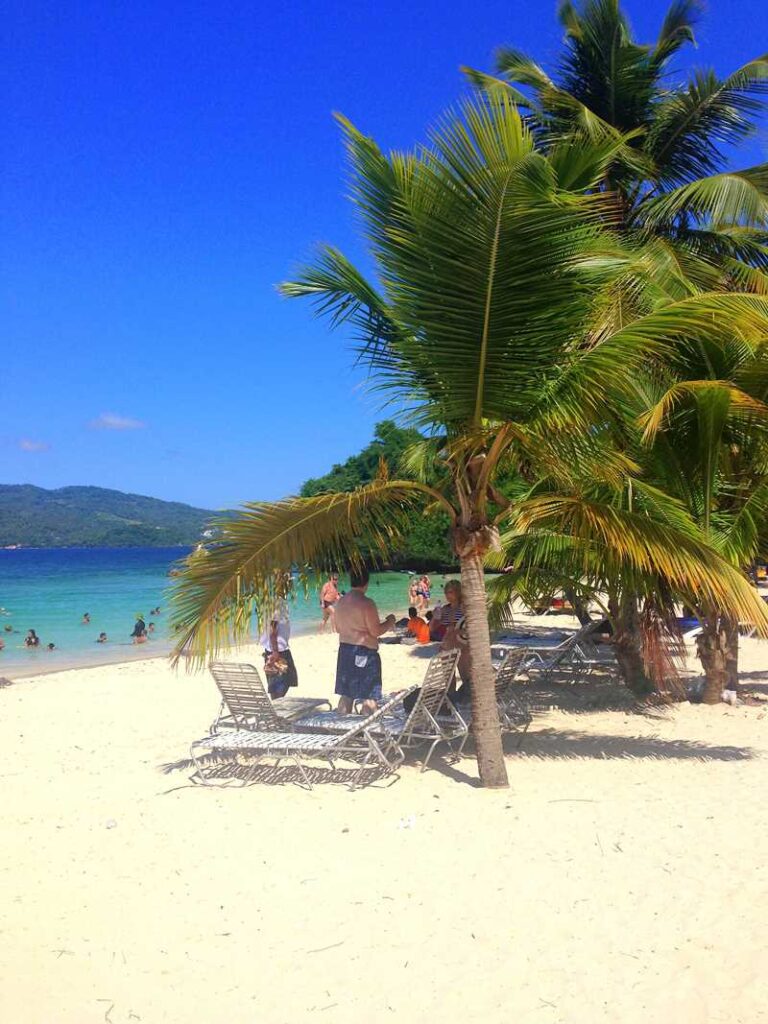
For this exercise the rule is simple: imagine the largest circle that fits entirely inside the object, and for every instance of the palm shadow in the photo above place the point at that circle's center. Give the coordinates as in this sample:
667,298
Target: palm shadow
564,744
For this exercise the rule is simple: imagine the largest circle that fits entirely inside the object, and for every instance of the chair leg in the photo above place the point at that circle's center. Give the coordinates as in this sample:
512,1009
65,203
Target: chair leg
522,735
431,751
460,751
199,767
300,766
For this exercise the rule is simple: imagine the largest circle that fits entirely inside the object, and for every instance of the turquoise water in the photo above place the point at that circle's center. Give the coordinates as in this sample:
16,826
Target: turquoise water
49,590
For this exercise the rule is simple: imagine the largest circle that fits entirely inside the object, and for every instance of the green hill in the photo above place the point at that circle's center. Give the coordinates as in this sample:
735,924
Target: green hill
94,517
425,545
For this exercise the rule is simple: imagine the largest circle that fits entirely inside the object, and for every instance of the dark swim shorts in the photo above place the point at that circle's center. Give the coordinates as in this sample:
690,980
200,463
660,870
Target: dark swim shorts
358,672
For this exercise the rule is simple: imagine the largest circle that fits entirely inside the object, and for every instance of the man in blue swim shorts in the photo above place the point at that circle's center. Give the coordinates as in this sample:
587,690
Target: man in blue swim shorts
358,669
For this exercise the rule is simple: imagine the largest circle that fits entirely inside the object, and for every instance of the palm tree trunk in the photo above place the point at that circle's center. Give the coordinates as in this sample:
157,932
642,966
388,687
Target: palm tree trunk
732,655
486,729
579,606
718,649
628,645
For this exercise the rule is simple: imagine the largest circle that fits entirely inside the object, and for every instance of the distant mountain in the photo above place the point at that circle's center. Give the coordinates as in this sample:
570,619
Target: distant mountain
94,517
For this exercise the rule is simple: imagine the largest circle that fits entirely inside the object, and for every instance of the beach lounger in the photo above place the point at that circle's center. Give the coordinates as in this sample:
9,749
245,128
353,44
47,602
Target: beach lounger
246,704
362,742
576,654
423,724
514,714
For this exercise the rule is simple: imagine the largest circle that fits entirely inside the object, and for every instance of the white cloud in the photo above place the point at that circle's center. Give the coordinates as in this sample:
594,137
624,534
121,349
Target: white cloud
28,445
111,421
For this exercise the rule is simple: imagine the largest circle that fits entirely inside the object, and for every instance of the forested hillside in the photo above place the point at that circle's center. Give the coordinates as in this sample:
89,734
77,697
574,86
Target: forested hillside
94,517
426,544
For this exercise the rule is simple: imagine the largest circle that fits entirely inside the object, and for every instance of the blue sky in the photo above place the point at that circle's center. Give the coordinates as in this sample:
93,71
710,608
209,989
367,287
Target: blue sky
167,164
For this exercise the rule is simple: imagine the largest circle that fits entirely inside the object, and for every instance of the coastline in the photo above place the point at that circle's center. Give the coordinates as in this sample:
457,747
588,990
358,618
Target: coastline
16,673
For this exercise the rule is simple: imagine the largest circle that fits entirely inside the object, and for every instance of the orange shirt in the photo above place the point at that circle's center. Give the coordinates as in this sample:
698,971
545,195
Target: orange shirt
419,628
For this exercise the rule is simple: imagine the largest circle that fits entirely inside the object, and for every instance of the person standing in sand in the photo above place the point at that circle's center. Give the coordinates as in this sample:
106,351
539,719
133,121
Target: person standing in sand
358,668
279,665
329,595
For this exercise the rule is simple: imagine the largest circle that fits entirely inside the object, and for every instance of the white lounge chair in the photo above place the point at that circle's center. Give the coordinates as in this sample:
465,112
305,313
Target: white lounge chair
423,724
246,704
576,654
361,743
514,714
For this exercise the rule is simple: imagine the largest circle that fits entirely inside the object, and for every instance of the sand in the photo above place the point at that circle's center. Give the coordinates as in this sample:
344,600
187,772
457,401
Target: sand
621,878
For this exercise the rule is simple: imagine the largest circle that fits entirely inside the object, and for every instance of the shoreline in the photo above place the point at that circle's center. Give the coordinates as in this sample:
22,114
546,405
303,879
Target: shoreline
16,672
81,666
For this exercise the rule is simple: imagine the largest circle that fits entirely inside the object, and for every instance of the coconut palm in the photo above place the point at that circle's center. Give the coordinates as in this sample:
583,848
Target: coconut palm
703,454
670,178
674,192
481,329
707,435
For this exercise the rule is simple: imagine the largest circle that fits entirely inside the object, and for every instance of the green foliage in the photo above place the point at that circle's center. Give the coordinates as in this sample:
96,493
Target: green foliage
515,325
389,443
668,176
424,543
94,517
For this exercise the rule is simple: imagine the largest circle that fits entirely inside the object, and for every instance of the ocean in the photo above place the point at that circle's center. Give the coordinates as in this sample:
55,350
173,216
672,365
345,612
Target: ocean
50,589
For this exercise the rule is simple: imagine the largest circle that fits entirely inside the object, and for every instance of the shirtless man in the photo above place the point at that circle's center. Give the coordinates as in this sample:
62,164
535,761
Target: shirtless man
358,669
329,595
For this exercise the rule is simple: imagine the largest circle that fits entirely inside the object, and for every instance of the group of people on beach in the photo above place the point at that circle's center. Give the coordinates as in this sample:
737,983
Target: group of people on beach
356,619
419,593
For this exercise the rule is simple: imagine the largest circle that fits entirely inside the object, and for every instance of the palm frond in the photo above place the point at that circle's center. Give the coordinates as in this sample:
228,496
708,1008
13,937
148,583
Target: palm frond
616,360
740,540
736,198
692,126
219,592
488,83
683,557
603,67
738,403
676,29
519,67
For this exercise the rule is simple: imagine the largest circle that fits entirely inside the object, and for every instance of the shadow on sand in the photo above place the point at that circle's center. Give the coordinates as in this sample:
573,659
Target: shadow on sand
564,744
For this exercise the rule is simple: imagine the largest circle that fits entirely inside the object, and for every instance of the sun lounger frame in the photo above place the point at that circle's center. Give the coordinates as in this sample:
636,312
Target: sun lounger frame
362,743
246,704
424,724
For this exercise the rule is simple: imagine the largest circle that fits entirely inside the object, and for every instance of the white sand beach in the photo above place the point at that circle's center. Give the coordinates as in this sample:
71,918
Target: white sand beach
621,878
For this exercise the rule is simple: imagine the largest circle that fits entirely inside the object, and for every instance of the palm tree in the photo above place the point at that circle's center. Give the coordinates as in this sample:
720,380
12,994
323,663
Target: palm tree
670,178
697,220
489,259
707,433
